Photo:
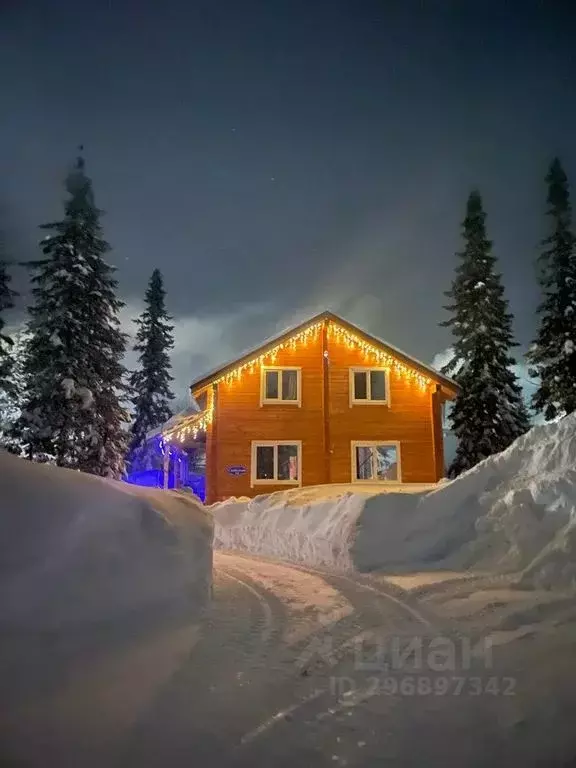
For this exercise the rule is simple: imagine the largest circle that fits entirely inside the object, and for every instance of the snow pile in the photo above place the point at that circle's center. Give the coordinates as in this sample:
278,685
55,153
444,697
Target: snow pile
317,531
76,548
515,511
102,586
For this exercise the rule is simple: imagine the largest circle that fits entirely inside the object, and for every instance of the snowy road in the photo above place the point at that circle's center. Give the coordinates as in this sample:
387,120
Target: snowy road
268,676
276,676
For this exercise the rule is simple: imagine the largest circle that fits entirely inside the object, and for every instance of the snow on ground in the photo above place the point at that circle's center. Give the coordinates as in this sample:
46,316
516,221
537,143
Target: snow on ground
514,512
100,581
77,548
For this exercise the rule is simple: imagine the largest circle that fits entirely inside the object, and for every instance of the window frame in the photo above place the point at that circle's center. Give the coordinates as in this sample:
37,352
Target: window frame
274,481
279,401
373,444
367,370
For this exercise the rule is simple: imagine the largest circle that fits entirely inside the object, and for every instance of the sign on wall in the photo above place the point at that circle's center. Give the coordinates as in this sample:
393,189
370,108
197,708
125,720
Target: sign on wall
237,469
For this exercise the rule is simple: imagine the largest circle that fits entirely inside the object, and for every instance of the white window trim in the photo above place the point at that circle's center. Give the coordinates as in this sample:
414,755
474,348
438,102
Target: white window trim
361,369
271,401
275,443
369,444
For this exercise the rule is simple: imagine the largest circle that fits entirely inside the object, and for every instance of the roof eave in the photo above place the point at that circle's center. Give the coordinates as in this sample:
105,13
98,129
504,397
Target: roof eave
199,384
449,386
425,370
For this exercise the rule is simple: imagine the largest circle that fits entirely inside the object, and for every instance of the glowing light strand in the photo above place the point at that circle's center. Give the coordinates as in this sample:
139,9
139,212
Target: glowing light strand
310,333
382,358
197,425
339,334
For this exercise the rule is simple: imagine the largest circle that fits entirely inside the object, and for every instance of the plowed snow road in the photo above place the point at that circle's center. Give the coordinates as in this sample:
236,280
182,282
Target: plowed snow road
285,671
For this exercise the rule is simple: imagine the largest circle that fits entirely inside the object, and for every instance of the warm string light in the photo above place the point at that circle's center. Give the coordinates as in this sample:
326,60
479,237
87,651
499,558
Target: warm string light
196,425
382,358
341,335
310,333
304,337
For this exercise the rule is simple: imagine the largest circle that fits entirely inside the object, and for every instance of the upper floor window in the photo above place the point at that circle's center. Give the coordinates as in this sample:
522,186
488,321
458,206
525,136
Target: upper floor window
369,385
280,385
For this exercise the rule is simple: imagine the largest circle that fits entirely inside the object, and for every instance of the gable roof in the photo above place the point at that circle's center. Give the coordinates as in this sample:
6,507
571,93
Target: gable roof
252,355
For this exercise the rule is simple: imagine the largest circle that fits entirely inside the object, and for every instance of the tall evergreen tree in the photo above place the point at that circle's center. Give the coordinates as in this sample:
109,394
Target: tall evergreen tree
553,354
7,389
489,412
7,296
11,399
73,365
151,383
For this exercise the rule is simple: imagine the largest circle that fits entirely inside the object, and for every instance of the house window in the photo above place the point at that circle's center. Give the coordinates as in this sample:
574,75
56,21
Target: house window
369,385
376,462
276,462
281,385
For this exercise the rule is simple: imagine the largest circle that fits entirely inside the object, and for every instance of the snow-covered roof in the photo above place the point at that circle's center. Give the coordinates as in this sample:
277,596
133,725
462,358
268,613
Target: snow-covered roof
177,418
221,370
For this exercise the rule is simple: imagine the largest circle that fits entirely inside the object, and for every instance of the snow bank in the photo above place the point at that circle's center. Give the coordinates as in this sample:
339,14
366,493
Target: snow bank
76,548
102,586
514,511
317,532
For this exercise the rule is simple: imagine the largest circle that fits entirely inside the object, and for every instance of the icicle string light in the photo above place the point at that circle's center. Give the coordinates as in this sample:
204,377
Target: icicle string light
304,337
383,359
196,425
340,335
311,333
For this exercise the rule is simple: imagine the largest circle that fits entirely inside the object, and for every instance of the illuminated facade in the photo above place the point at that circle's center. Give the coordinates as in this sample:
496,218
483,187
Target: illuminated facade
323,402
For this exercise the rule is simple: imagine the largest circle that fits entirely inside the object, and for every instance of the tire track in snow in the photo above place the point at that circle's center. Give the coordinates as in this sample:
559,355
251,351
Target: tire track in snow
212,685
263,601
415,613
352,589
357,582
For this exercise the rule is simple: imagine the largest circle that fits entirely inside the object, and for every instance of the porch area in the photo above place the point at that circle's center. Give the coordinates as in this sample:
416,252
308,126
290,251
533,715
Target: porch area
178,454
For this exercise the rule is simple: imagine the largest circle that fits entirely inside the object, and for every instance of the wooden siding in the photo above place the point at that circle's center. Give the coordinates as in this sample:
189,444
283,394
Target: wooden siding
240,419
436,407
325,423
408,419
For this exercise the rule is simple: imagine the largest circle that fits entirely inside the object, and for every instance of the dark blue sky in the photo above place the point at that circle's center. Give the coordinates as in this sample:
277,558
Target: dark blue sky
277,157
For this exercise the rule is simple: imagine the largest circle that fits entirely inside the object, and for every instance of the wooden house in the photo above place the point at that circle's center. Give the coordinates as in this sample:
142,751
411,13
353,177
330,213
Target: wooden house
324,402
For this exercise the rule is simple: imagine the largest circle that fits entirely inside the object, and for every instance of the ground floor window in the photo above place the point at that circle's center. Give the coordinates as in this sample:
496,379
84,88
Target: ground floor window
376,461
276,461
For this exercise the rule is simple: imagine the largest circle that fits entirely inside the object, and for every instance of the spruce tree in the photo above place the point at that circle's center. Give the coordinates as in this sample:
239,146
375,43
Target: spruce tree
73,365
11,399
7,296
8,393
489,413
151,383
553,355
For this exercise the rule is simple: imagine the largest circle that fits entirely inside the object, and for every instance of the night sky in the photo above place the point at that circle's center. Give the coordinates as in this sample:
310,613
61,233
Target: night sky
278,158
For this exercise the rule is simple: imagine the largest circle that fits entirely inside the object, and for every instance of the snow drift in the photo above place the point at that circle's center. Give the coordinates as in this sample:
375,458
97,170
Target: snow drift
514,511
76,548
102,587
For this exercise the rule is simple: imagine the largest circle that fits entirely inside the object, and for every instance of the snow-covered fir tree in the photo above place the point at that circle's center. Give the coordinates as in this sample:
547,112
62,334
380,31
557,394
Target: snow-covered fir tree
489,412
7,296
8,393
151,382
11,399
552,357
73,369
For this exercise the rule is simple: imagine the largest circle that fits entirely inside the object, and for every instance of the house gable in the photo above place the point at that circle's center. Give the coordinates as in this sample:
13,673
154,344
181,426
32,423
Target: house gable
376,351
